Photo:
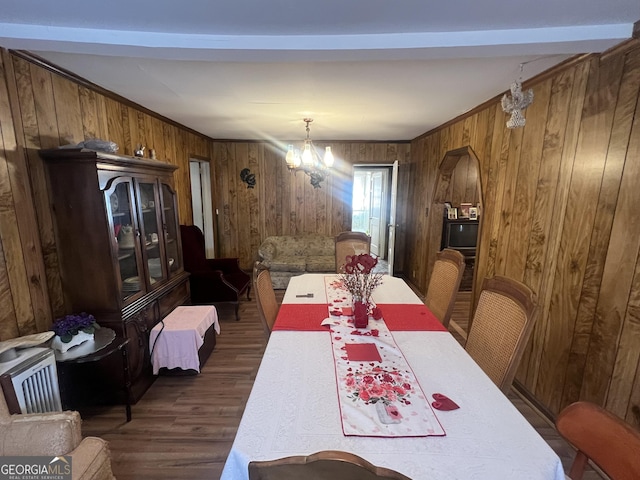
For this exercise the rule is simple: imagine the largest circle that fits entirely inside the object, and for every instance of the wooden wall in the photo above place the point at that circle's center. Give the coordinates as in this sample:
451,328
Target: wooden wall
42,109
558,214
284,203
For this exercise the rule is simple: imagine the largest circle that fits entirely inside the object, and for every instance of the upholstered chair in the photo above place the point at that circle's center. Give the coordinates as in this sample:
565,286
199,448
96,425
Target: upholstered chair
444,284
212,281
55,435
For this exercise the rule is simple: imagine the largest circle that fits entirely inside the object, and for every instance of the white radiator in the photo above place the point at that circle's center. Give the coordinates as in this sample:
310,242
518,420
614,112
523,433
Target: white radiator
30,382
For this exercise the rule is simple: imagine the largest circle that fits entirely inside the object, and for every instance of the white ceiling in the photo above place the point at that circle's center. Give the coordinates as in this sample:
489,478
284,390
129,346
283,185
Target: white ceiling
363,69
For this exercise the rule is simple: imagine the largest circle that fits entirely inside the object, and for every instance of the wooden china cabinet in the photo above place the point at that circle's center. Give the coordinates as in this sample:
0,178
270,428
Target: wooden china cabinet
118,242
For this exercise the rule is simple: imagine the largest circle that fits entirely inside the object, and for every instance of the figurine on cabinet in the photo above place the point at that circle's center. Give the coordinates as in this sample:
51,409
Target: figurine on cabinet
139,152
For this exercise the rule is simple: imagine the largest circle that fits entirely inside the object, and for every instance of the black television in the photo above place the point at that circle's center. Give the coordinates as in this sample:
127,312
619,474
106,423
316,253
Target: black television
460,234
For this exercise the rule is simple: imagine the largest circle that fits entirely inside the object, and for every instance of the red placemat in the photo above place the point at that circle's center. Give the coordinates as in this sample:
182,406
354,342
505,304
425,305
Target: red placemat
401,316
302,316
362,352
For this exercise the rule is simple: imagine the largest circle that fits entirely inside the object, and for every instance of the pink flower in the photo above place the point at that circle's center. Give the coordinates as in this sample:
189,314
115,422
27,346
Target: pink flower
376,391
399,390
373,383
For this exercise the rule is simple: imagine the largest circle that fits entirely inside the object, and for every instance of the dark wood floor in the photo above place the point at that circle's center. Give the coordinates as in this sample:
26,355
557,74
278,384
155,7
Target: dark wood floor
183,427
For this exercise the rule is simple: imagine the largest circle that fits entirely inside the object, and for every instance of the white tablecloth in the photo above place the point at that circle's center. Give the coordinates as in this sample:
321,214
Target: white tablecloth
392,290
175,341
293,410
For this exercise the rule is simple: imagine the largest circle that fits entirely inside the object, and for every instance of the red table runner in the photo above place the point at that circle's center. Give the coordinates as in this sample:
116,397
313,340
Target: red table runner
398,317
302,317
409,317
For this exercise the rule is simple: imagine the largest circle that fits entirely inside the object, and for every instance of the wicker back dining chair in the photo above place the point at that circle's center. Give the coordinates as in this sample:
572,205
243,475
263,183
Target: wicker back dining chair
325,465
607,440
350,243
501,327
444,284
265,298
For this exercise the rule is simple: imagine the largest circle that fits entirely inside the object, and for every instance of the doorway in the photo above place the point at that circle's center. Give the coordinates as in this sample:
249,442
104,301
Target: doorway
370,205
200,173
458,191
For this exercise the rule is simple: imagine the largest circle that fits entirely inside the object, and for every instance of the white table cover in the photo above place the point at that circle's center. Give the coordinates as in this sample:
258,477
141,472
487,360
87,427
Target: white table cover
293,410
176,344
392,290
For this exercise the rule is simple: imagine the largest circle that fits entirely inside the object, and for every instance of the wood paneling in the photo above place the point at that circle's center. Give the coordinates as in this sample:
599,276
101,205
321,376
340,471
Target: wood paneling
558,206
18,223
558,213
285,203
42,109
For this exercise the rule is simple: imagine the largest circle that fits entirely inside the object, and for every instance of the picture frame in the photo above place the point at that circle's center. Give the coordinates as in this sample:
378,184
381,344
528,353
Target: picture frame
464,210
452,213
473,213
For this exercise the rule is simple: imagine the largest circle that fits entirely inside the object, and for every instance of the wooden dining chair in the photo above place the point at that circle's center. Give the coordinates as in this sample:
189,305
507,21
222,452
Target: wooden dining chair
350,243
325,465
265,298
501,327
601,437
444,284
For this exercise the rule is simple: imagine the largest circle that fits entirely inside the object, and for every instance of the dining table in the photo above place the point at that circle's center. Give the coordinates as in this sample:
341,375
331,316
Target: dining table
294,406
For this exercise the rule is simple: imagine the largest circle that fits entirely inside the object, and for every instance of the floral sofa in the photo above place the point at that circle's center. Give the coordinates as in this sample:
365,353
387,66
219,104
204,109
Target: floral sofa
289,255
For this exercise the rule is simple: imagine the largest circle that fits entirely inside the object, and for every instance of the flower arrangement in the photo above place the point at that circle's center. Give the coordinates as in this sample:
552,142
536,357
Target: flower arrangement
358,277
70,325
378,385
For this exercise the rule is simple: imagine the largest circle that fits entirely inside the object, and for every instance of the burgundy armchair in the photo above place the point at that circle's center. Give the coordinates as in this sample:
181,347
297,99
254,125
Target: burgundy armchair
218,280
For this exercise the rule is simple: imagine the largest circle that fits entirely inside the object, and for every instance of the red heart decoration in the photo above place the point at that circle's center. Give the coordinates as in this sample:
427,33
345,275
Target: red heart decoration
442,402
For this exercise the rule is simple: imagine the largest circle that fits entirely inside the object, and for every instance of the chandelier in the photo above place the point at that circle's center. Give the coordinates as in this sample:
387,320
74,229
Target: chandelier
309,161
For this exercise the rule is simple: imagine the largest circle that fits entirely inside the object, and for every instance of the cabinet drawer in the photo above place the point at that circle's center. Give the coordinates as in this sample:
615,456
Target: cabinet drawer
178,296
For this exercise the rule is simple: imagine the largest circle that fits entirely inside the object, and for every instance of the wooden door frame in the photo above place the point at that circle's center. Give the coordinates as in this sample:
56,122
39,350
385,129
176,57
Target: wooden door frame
441,187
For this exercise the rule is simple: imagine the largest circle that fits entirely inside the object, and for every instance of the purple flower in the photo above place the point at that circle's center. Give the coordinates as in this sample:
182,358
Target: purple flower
69,325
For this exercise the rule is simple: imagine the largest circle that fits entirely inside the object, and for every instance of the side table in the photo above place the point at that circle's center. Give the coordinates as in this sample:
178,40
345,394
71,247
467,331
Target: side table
74,384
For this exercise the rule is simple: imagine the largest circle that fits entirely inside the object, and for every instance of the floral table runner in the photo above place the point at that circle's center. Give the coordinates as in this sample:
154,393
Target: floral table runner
377,391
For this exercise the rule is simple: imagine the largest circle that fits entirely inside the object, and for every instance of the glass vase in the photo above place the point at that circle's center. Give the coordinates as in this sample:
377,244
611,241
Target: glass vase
360,313
388,413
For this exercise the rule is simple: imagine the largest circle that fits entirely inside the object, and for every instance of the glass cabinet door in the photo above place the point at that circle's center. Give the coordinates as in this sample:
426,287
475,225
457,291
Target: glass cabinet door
170,218
122,211
151,232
